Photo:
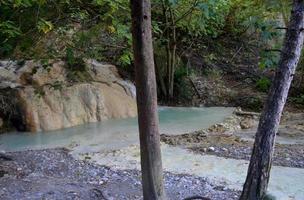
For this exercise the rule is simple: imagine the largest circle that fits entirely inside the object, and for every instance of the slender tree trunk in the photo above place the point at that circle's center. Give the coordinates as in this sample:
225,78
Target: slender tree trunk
151,165
172,47
161,80
257,179
168,52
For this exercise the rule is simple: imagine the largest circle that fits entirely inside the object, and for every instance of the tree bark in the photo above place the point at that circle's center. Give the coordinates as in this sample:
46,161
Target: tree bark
151,164
257,179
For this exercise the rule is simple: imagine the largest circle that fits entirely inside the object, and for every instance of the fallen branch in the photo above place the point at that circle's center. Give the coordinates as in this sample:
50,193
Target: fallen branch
243,113
276,50
195,88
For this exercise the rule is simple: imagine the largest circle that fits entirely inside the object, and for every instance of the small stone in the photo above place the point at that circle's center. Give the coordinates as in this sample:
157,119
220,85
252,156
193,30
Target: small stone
211,149
105,179
19,169
246,123
224,149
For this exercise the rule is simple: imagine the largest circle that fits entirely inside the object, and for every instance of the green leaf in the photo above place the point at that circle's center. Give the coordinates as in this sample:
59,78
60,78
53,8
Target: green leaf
44,26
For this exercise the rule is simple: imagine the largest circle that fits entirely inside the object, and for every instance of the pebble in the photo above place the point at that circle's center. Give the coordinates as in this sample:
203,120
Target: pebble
212,149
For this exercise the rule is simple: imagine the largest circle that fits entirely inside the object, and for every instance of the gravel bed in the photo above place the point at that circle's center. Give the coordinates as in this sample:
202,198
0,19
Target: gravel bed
232,147
55,174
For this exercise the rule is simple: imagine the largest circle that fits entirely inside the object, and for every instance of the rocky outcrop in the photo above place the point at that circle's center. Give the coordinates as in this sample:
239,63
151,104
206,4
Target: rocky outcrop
47,99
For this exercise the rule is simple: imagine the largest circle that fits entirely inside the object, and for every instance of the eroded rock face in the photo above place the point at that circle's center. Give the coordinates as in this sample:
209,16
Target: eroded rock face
48,100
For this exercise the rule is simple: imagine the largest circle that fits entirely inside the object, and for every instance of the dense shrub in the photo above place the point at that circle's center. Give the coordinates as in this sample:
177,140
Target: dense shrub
263,84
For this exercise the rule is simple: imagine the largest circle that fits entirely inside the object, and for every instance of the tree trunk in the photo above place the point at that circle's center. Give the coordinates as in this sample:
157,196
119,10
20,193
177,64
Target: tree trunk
172,47
257,179
161,80
151,165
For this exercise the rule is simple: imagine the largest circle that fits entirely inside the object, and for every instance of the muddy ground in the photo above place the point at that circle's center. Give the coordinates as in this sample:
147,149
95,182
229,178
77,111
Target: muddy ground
235,136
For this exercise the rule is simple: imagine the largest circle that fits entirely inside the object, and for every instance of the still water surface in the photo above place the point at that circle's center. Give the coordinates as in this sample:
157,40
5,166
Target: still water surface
115,134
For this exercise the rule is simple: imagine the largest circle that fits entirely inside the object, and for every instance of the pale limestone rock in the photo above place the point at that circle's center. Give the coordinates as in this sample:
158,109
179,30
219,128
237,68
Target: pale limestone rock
105,97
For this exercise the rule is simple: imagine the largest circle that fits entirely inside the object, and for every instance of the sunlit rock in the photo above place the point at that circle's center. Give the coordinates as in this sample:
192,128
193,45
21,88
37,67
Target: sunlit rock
48,99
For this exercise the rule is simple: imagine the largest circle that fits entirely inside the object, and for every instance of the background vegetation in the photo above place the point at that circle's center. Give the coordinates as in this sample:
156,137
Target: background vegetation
191,37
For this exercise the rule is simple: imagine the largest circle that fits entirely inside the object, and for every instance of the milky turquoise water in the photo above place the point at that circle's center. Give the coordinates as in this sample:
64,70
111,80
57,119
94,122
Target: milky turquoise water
115,134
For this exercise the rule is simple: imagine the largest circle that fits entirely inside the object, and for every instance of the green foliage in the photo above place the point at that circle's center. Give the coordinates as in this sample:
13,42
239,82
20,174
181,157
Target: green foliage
196,17
46,64
268,59
39,92
77,68
213,74
184,89
8,32
254,103
44,26
45,29
100,29
57,85
180,72
263,84
126,58
298,99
